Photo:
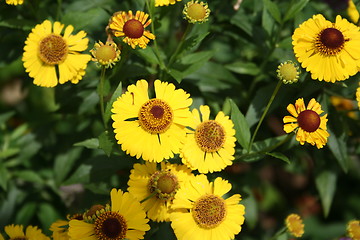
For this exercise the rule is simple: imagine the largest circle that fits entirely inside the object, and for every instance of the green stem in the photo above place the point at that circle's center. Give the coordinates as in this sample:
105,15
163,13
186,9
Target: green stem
101,94
281,231
148,197
264,113
58,12
180,45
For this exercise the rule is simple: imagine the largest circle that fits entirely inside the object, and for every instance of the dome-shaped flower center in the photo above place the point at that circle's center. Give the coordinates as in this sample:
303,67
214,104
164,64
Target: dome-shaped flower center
53,49
209,211
155,116
105,53
133,28
164,183
330,41
288,72
210,136
110,226
196,11
309,120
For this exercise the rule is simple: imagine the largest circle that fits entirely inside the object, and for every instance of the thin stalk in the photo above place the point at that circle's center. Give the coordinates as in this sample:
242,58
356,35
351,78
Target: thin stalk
58,10
101,94
281,231
180,45
148,197
276,90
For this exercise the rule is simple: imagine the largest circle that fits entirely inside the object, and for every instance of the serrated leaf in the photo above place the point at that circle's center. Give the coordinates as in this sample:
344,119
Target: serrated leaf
92,143
241,126
295,8
326,185
64,163
106,143
117,93
273,10
278,156
337,145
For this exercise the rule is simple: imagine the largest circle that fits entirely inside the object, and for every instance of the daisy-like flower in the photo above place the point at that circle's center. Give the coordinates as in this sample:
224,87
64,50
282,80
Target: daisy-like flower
294,225
210,144
153,129
353,12
124,219
131,28
329,51
288,72
196,12
14,2
106,55
31,232
51,57
159,3
158,187
307,123
353,228
60,227
202,212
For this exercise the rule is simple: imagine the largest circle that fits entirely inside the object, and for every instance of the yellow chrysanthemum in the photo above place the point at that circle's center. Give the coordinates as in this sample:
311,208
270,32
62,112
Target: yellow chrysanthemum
196,12
201,212
159,3
107,54
125,219
153,129
210,144
294,225
51,57
14,2
358,95
353,12
329,51
31,232
307,123
131,28
353,229
157,186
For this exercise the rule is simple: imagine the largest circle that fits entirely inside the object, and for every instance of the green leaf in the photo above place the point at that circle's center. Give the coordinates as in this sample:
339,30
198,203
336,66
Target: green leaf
4,176
241,126
278,156
117,93
273,10
337,145
106,143
326,185
268,144
248,68
243,21
148,55
29,175
92,143
191,43
89,103
64,163
6,116
47,214
26,213
295,8
251,208
81,175
9,152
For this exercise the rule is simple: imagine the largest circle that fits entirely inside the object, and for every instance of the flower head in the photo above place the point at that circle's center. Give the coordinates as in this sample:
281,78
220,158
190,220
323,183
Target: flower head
14,2
210,144
329,51
202,212
51,57
353,12
124,219
31,232
60,227
196,12
153,129
159,3
294,225
131,28
105,54
353,228
157,186
288,72
307,123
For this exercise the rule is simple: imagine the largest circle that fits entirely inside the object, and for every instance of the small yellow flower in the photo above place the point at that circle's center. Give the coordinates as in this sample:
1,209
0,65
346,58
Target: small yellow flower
353,12
358,95
31,232
353,229
295,225
159,3
288,72
107,54
14,2
196,12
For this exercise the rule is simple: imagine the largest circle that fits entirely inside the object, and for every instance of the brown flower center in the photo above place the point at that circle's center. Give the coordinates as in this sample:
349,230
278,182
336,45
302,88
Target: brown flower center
196,11
309,120
164,183
209,211
210,136
155,116
110,226
133,28
53,49
330,41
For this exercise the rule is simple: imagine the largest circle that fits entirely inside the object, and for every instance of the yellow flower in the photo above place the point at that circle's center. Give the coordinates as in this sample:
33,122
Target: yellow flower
157,186
51,57
31,233
107,54
124,219
307,123
329,51
165,2
295,225
14,2
210,144
353,229
196,12
131,28
353,12
153,129
288,72
202,212
60,227
358,95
